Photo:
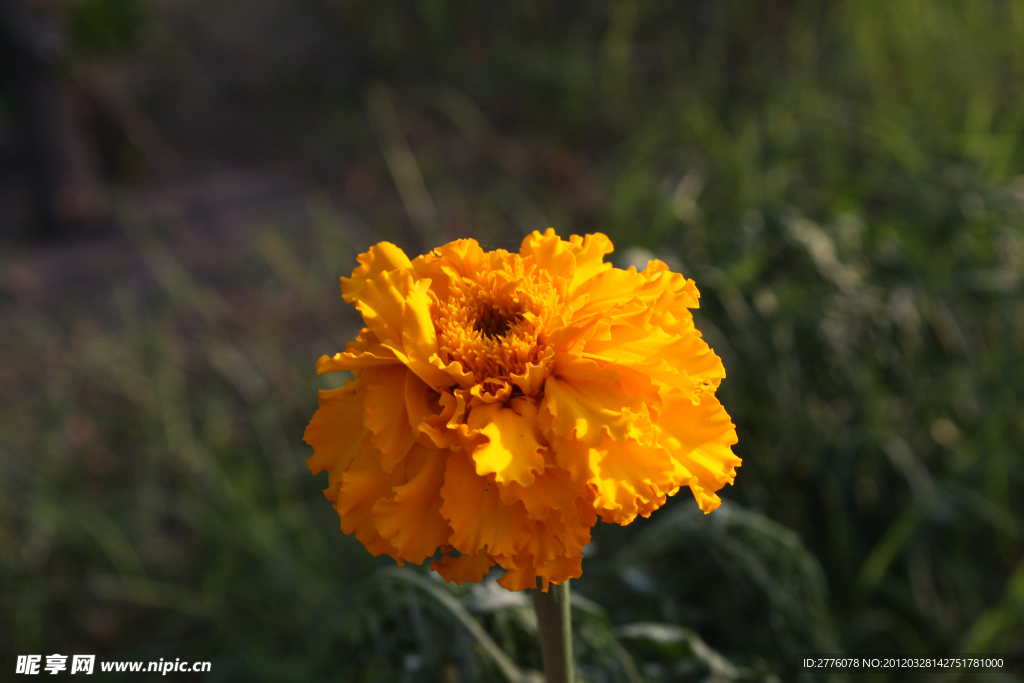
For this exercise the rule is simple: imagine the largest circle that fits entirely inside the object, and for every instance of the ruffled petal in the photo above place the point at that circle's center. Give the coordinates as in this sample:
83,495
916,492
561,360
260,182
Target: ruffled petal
443,429
631,345
552,492
683,362
549,252
531,380
588,410
617,291
554,549
384,413
589,252
544,545
573,456
523,570
422,404
520,573
419,339
562,535
411,520
700,438
464,567
512,452
335,432
478,518
362,485
381,302
456,373
628,474
397,311
560,570
365,352
458,259
380,258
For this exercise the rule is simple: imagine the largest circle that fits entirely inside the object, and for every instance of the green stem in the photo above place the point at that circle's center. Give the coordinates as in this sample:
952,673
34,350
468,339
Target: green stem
555,625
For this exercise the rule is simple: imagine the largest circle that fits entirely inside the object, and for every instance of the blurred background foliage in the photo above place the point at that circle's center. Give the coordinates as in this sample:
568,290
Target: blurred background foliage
844,181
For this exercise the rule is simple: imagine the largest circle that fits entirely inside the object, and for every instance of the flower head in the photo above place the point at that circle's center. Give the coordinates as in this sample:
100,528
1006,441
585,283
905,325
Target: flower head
503,402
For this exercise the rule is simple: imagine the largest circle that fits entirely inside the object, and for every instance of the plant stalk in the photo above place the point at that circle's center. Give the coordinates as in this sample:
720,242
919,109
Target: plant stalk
554,621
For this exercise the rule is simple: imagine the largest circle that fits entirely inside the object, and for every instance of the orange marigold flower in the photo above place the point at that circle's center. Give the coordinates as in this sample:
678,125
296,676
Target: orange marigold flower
503,402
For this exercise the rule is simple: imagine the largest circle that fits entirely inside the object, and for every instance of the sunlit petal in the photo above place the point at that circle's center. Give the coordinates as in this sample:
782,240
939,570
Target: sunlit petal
589,410
478,518
589,252
380,258
700,437
627,474
513,449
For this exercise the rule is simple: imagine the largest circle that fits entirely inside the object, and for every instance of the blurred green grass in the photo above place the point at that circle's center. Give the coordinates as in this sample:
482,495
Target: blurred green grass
842,179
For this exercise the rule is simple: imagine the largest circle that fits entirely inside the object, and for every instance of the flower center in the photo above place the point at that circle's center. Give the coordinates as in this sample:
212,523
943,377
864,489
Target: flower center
494,322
